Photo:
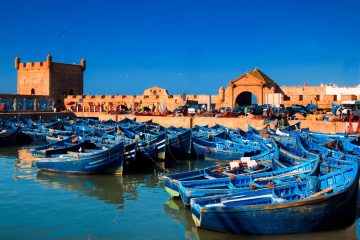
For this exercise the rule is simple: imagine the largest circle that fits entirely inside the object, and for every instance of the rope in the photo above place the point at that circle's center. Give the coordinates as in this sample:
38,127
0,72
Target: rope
157,164
172,156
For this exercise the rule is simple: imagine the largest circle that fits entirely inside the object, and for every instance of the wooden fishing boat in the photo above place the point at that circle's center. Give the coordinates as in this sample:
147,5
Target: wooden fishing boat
317,203
138,154
242,182
221,170
279,135
99,159
178,142
9,132
147,139
60,147
221,149
326,151
204,131
347,146
290,155
330,135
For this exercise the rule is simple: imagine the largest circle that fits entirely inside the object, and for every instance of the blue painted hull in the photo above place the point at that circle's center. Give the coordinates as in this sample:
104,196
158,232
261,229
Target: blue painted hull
255,216
179,144
307,216
60,147
171,182
242,182
311,146
105,161
10,137
35,136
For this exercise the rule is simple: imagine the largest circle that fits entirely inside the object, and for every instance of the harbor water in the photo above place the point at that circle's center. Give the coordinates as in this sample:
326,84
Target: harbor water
39,205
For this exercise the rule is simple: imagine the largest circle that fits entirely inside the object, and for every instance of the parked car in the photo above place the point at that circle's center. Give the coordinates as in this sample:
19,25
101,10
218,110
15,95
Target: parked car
239,110
224,109
181,109
255,110
192,109
296,109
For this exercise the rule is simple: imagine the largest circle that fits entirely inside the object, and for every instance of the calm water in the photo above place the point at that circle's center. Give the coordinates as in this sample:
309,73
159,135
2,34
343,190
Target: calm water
37,205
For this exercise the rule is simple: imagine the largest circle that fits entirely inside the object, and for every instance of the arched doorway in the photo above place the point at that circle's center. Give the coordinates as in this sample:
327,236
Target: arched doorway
32,91
245,99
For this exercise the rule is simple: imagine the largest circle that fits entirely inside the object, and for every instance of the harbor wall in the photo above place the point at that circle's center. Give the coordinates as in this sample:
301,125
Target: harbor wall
36,115
242,123
187,122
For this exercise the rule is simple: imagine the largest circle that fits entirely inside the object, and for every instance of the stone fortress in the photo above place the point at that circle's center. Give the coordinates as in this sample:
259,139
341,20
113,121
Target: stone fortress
64,84
52,79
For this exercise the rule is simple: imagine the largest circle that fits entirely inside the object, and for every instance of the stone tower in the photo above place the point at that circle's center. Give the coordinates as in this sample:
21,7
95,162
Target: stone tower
50,78
221,94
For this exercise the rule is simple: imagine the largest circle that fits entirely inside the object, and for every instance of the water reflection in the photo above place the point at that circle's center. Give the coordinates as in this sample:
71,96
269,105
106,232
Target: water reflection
8,151
175,208
24,164
110,189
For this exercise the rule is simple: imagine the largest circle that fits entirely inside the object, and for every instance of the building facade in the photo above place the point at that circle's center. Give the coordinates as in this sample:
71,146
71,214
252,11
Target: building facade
64,83
56,80
240,91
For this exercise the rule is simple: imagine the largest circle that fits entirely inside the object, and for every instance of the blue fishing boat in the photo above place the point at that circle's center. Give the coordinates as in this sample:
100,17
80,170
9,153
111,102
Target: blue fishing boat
219,149
331,150
348,147
60,147
330,135
317,203
204,132
242,182
146,140
9,132
279,135
178,142
99,159
138,154
290,155
221,170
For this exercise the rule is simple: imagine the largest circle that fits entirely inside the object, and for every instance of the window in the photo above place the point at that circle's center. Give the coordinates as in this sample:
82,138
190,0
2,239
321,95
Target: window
335,98
286,98
301,97
317,98
32,91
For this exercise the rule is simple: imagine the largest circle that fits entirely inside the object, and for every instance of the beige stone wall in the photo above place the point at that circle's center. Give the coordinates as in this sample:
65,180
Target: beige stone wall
254,81
49,78
66,79
33,75
310,94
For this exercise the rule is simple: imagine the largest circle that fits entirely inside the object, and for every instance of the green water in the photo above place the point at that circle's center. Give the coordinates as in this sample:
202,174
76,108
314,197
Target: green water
38,205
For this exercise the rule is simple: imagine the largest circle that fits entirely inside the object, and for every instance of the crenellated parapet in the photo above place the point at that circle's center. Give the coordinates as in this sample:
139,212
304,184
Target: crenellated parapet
47,64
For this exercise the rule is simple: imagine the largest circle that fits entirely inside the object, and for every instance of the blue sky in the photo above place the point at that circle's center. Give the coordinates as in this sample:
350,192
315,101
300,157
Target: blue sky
184,46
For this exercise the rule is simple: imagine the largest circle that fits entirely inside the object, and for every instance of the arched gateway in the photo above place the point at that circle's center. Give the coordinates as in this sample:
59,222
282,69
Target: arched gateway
254,83
245,99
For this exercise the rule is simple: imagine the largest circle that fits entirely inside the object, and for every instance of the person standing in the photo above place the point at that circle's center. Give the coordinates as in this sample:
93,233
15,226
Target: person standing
348,113
340,112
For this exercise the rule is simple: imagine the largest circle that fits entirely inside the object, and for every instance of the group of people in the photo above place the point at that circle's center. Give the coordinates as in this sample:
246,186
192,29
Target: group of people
345,118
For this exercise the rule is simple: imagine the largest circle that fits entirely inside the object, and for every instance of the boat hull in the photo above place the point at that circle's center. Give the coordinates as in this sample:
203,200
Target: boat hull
294,217
109,161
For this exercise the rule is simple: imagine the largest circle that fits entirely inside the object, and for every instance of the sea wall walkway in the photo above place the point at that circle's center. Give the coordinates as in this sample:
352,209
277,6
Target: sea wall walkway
187,122
242,123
